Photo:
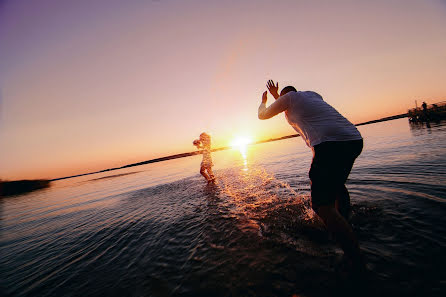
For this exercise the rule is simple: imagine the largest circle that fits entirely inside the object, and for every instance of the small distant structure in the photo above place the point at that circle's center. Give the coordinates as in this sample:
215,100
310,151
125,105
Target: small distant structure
427,112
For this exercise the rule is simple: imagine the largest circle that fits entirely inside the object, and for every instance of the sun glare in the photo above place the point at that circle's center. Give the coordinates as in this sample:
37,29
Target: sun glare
241,144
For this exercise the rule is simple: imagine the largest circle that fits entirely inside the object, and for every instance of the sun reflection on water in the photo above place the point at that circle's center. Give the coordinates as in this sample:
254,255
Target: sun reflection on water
241,143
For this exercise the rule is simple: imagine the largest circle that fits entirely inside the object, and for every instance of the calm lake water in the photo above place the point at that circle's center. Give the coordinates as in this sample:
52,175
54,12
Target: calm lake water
160,230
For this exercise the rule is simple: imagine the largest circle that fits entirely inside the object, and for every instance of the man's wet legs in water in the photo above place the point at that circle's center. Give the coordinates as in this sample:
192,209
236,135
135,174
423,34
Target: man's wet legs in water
332,163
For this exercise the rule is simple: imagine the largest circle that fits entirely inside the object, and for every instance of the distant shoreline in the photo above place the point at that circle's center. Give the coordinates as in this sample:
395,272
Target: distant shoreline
188,154
17,187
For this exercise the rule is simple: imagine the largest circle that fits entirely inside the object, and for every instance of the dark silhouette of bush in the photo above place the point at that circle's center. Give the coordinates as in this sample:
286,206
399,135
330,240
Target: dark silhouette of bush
9,188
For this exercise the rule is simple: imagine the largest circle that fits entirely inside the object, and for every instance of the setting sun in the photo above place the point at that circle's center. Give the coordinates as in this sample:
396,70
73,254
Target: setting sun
240,143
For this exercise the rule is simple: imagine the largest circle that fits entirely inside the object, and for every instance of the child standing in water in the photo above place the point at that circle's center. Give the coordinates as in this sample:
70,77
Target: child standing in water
206,165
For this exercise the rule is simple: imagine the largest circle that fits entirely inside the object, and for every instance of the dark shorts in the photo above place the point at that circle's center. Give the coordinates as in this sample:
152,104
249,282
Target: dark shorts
332,163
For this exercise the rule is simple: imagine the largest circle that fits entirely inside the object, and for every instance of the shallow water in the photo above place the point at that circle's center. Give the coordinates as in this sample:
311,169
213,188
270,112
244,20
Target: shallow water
160,230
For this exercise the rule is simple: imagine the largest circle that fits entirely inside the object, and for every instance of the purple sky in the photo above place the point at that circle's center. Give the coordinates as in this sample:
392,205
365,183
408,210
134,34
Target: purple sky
87,85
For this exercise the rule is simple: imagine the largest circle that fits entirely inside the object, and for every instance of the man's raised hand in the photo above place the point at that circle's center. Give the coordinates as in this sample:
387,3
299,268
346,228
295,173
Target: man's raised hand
264,97
273,89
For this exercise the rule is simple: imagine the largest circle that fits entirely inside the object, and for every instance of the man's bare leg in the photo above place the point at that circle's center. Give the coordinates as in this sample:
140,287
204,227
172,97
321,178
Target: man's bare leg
344,234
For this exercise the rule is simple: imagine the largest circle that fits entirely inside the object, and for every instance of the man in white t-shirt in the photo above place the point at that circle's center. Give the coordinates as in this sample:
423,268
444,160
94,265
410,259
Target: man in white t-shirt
335,143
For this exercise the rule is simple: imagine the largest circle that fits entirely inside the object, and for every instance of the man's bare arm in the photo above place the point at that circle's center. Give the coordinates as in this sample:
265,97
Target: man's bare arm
277,107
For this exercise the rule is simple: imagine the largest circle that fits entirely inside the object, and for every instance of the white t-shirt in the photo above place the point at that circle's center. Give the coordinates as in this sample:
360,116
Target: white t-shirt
314,119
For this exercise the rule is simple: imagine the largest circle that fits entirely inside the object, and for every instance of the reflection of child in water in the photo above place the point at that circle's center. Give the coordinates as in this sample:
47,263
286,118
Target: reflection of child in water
206,165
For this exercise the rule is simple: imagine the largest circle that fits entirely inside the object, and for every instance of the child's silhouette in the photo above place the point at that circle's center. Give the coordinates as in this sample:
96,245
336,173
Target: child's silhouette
206,165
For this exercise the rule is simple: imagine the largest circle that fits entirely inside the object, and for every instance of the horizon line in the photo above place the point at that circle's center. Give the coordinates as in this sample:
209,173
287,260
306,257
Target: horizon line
188,154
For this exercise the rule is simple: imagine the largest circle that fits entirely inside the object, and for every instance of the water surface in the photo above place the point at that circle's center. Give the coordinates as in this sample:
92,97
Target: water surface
160,230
